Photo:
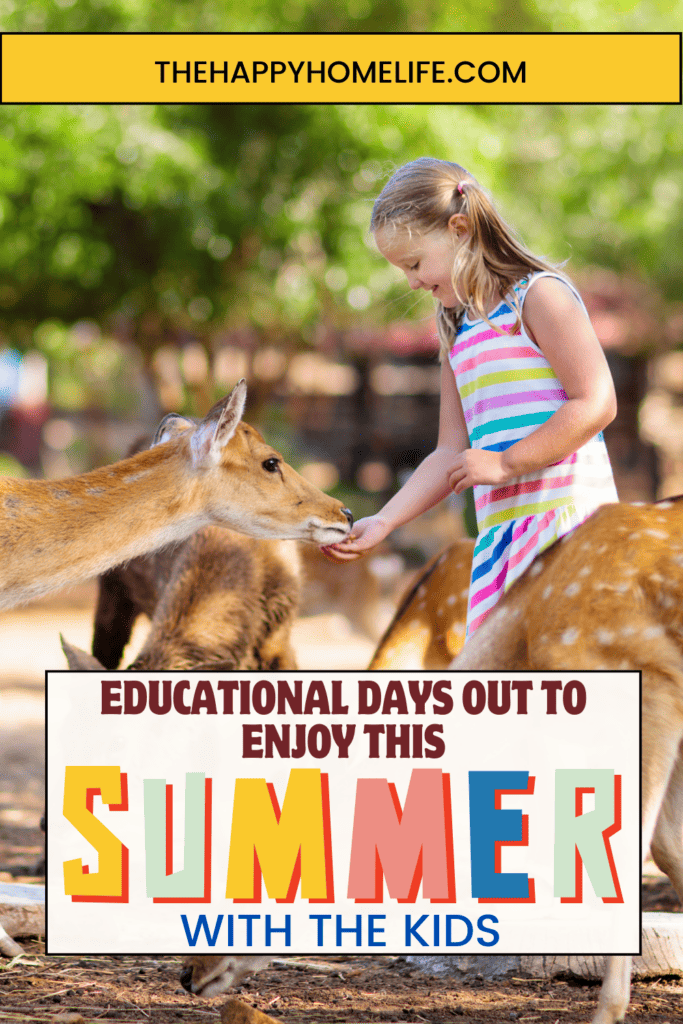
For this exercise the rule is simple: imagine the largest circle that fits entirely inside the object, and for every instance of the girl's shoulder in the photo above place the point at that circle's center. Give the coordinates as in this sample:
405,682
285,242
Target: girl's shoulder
549,302
546,286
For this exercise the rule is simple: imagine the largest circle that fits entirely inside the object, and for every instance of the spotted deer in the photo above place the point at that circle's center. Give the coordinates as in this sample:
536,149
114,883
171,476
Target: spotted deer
607,596
220,471
428,627
610,596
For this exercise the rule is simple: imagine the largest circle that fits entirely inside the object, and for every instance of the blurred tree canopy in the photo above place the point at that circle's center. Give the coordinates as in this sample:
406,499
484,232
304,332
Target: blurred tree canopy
195,218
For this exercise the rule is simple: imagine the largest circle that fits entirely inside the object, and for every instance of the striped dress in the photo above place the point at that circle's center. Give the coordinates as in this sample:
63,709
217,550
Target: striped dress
508,389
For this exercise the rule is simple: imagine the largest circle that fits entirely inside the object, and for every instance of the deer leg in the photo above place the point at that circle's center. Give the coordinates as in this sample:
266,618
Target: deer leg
662,771
114,619
615,991
8,947
667,841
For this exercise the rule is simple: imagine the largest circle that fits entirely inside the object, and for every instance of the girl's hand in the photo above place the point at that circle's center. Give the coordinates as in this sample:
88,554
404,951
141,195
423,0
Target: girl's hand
477,466
366,534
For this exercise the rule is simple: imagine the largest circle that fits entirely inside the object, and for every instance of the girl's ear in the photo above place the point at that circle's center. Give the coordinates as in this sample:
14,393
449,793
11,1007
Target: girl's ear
459,225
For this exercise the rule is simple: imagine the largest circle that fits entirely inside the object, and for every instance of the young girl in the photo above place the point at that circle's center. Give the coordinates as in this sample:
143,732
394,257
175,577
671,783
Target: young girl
525,386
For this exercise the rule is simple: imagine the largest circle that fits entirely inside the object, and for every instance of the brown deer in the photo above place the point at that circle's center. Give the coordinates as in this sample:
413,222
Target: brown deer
219,601
234,1011
220,471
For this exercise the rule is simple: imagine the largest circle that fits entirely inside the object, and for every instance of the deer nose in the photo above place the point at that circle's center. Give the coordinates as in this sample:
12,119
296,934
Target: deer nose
349,515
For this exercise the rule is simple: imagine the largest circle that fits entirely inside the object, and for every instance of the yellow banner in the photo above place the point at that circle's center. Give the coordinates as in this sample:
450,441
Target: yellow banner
348,68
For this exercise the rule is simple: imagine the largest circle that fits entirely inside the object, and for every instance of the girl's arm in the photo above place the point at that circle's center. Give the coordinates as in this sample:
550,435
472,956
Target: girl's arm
555,320
425,487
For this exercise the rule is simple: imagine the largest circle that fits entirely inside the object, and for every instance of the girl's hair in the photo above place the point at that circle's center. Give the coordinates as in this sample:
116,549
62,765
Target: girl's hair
423,196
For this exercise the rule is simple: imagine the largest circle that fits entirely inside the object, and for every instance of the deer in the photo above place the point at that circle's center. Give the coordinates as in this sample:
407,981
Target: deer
609,595
219,601
428,627
219,471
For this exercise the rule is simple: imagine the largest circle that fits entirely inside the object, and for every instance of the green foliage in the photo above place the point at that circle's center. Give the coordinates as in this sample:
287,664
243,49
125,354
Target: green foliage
9,466
248,16
191,218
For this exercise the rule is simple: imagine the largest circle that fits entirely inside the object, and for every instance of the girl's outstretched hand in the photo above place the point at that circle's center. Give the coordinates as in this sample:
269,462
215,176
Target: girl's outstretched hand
366,534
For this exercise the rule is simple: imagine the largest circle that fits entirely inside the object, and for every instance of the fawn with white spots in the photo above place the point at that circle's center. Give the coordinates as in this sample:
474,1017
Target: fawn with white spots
610,596
220,471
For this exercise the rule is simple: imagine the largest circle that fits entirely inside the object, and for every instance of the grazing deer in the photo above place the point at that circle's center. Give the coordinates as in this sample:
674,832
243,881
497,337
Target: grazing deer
610,596
428,628
220,471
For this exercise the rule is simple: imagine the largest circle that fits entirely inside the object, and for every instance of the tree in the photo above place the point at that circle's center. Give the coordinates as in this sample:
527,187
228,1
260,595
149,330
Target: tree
194,218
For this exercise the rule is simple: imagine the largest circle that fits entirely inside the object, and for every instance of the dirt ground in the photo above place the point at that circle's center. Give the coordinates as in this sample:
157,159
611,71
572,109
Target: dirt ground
296,990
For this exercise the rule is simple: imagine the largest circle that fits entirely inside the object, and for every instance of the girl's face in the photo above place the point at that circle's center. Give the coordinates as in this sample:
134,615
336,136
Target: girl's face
425,258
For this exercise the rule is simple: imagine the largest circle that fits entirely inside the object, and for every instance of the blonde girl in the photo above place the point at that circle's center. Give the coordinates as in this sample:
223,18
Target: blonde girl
525,386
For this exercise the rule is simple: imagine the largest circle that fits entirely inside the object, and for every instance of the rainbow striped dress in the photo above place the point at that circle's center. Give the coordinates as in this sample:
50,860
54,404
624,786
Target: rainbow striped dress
508,389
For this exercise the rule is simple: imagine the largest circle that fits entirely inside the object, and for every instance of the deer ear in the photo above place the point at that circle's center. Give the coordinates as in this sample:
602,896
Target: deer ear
218,426
171,426
78,660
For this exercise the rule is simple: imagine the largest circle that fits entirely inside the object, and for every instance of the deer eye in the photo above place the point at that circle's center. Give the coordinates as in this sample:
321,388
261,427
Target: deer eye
271,465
